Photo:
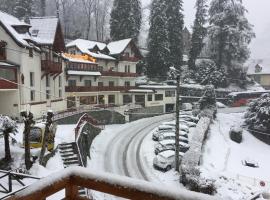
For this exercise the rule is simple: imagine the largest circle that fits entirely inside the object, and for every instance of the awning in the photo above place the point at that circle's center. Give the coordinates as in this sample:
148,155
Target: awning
83,73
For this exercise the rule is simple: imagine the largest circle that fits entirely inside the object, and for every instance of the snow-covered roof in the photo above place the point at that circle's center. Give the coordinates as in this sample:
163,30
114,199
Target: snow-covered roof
85,46
83,73
117,47
9,22
258,66
141,91
87,43
6,64
43,29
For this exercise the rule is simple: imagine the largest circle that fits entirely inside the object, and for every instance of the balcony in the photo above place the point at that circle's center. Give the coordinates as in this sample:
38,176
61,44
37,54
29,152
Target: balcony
51,67
6,85
129,59
84,67
119,74
97,88
72,178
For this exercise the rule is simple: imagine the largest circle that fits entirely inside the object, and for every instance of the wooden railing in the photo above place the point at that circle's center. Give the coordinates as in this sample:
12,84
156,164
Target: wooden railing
97,88
120,74
7,85
72,178
130,59
51,67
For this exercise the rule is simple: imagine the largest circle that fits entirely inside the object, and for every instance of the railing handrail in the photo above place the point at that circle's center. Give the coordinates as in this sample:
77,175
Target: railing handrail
72,178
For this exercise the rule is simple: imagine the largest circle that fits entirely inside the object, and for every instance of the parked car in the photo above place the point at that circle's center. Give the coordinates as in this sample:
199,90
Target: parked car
182,126
170,145
160,129
189,118
157,135
187,123
171,135
165,160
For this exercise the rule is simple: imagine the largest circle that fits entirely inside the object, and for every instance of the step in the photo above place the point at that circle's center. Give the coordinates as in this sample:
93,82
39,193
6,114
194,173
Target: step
65,147
71,162
70,155
71,165
66,151
66,144
70,159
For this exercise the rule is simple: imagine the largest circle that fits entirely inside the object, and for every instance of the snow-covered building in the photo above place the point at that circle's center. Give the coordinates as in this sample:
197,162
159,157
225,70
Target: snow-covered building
30,65
259,70
111,76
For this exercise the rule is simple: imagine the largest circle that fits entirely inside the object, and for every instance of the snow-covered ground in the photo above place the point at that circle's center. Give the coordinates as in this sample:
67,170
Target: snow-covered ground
222,159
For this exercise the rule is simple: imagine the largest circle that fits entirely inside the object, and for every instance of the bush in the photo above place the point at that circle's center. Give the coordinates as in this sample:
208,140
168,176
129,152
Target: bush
236,134
209,98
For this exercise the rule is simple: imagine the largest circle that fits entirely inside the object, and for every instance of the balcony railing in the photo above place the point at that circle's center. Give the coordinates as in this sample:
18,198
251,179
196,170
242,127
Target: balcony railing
51,67
97,88
7,85
84,67
130,59
72,178
120,74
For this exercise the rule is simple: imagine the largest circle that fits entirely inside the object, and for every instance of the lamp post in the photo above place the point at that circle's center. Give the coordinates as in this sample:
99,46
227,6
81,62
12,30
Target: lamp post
176,75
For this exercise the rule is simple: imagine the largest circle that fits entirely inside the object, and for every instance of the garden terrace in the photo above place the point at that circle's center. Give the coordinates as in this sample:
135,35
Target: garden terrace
72,178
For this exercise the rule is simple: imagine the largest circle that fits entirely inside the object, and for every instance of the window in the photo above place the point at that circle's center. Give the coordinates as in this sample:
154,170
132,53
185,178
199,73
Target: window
47,81
32,79
35,33
127,99
48,94
150,97
32,95
127,84
60,81
111,83
3,44
88,100
31,53
127,68
158,97
111,99
71,82
100,84
87,83
170,93
8,74
60,93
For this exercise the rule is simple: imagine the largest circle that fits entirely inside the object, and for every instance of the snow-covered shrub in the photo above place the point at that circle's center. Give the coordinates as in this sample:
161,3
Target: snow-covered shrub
236,134
193,181
209,97
207,73
258,114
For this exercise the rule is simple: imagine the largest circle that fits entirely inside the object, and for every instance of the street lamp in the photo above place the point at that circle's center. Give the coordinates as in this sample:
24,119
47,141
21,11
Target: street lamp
175,74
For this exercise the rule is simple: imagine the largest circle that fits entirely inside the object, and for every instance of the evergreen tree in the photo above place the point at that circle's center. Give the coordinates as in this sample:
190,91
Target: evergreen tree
229,34
126,17
158,45
199,32
22,9
175,28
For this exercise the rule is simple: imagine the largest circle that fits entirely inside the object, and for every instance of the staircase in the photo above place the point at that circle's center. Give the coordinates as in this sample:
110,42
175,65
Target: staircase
70,157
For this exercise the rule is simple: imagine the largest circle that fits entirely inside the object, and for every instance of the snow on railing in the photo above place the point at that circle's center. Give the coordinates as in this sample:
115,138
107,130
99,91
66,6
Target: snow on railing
72,178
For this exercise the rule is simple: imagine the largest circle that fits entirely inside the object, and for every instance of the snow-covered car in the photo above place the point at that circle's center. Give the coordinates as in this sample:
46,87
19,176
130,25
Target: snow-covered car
170,123
182,126
170,145
260,196
157,135
189,118
165,160
171,135
221,105
187,123
187,106
161,129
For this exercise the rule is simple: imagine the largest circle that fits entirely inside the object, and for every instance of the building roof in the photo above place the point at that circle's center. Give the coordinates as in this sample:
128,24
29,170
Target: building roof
117,47
258,66
85,46
8,22
43,29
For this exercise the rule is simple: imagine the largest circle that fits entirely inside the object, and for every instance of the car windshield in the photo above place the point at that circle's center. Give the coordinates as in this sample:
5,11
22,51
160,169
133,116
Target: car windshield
35,135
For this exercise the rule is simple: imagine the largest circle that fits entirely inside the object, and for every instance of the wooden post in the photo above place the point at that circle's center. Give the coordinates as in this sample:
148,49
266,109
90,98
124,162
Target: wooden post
71,192
177,128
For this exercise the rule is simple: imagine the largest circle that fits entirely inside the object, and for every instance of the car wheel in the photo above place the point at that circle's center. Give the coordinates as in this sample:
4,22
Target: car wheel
168,168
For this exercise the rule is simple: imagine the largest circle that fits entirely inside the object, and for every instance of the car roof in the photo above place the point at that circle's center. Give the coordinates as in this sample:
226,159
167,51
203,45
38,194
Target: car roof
165,127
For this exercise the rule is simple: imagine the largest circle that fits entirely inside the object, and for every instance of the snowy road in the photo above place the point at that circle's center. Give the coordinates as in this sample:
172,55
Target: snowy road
123,154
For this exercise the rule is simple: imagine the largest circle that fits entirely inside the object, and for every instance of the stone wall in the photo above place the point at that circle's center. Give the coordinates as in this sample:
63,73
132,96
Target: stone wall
140,113
104,116
87,134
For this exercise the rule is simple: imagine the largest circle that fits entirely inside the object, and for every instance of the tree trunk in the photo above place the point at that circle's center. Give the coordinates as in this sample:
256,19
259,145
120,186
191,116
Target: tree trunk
43,8
7,147
27,145
44,143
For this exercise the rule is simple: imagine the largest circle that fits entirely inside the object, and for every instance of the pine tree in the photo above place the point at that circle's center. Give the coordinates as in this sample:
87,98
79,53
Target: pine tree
199,32
126,17
175,28
229,34
22,9
158,45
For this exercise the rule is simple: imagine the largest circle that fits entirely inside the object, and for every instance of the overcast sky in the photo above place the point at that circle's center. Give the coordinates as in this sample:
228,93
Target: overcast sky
258,15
